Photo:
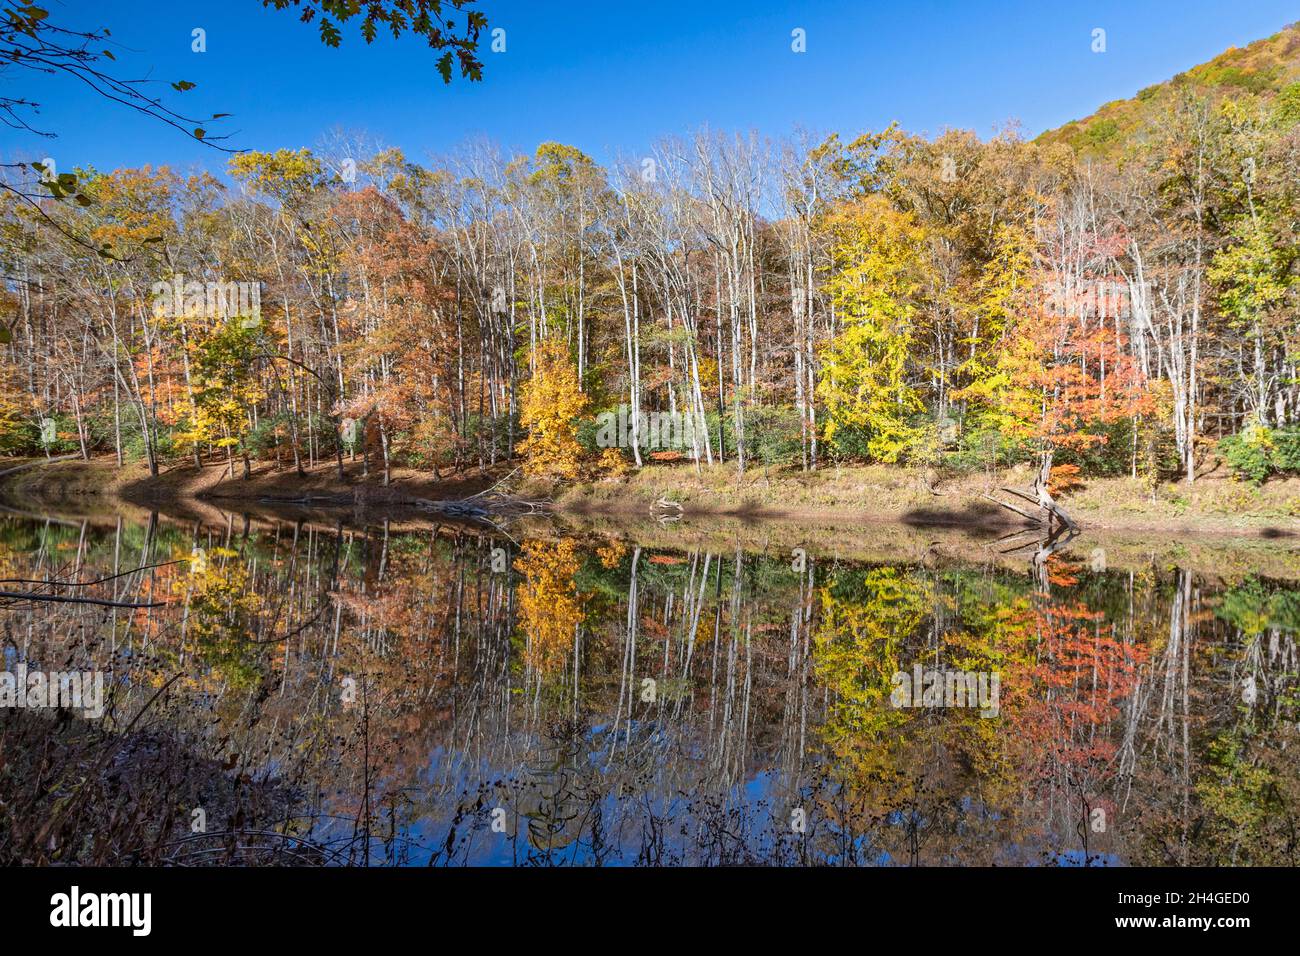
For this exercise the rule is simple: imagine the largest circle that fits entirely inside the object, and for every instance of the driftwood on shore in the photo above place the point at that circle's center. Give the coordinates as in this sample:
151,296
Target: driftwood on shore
474,508
665,511
487,505
1050,527
486,508
1050,516
40,461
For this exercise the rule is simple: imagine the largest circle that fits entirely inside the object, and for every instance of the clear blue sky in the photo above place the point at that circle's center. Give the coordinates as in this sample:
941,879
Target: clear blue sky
614,76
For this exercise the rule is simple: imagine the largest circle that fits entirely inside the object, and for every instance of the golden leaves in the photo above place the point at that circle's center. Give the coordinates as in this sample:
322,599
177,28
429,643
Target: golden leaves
550,607
552,401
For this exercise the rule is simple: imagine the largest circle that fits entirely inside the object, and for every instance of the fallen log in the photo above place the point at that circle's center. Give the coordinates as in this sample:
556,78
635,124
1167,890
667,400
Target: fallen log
40,461
304,499
485,507
453,509
1050,515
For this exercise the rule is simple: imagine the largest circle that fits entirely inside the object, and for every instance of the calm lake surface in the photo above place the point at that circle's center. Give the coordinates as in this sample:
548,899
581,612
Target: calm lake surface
451,695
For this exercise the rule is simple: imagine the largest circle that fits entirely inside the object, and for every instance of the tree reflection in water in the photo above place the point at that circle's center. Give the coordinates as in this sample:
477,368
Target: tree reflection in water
369,696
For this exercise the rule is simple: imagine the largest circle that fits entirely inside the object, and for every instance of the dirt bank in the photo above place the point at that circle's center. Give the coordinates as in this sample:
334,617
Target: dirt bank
860,514
62,482
1215,505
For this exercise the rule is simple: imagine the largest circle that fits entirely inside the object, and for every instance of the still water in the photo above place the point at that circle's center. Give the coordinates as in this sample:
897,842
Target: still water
322,692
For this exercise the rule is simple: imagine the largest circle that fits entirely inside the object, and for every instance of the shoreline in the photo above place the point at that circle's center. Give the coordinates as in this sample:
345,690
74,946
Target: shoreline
1267,546
858,495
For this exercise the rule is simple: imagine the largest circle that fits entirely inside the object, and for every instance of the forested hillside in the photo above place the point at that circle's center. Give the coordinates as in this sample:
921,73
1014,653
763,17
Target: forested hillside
1266,72
1122,292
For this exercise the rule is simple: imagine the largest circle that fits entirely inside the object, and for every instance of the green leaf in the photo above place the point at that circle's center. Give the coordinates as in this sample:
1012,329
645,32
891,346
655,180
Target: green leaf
182,85
199,132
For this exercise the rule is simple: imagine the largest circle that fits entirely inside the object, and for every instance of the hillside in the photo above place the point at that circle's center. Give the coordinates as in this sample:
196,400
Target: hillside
1268,69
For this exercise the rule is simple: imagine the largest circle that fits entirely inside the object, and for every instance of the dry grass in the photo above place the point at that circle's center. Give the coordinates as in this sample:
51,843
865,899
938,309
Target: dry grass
1215,504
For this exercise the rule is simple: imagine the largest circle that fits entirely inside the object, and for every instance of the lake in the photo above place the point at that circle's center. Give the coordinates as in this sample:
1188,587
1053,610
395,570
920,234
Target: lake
314,689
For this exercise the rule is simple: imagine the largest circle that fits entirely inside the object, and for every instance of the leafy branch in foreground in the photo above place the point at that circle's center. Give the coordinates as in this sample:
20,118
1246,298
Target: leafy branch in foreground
29,41
427,18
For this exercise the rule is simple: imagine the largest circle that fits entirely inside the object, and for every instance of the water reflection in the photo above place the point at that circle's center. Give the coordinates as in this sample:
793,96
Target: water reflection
447,696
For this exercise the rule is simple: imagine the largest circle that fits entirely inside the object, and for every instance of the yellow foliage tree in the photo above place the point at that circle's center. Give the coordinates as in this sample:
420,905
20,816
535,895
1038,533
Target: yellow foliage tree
552,401
1001,371
864,381
223,387
14,407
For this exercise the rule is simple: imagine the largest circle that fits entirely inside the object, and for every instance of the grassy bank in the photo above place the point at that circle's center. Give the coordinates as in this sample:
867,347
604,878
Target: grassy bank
1216,504
1223,528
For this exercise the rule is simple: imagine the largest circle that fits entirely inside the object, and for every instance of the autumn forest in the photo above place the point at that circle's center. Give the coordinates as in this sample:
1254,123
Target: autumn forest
872,493
886,297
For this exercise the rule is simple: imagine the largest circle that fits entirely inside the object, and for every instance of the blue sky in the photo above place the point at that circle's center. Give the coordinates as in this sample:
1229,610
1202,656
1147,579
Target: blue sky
614,76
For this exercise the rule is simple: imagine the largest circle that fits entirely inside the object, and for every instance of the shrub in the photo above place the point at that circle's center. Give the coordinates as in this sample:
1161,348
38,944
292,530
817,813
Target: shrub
771,434
23,437
271,433
1286,450
982,448
612,463
589,428
164,442
1257,451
